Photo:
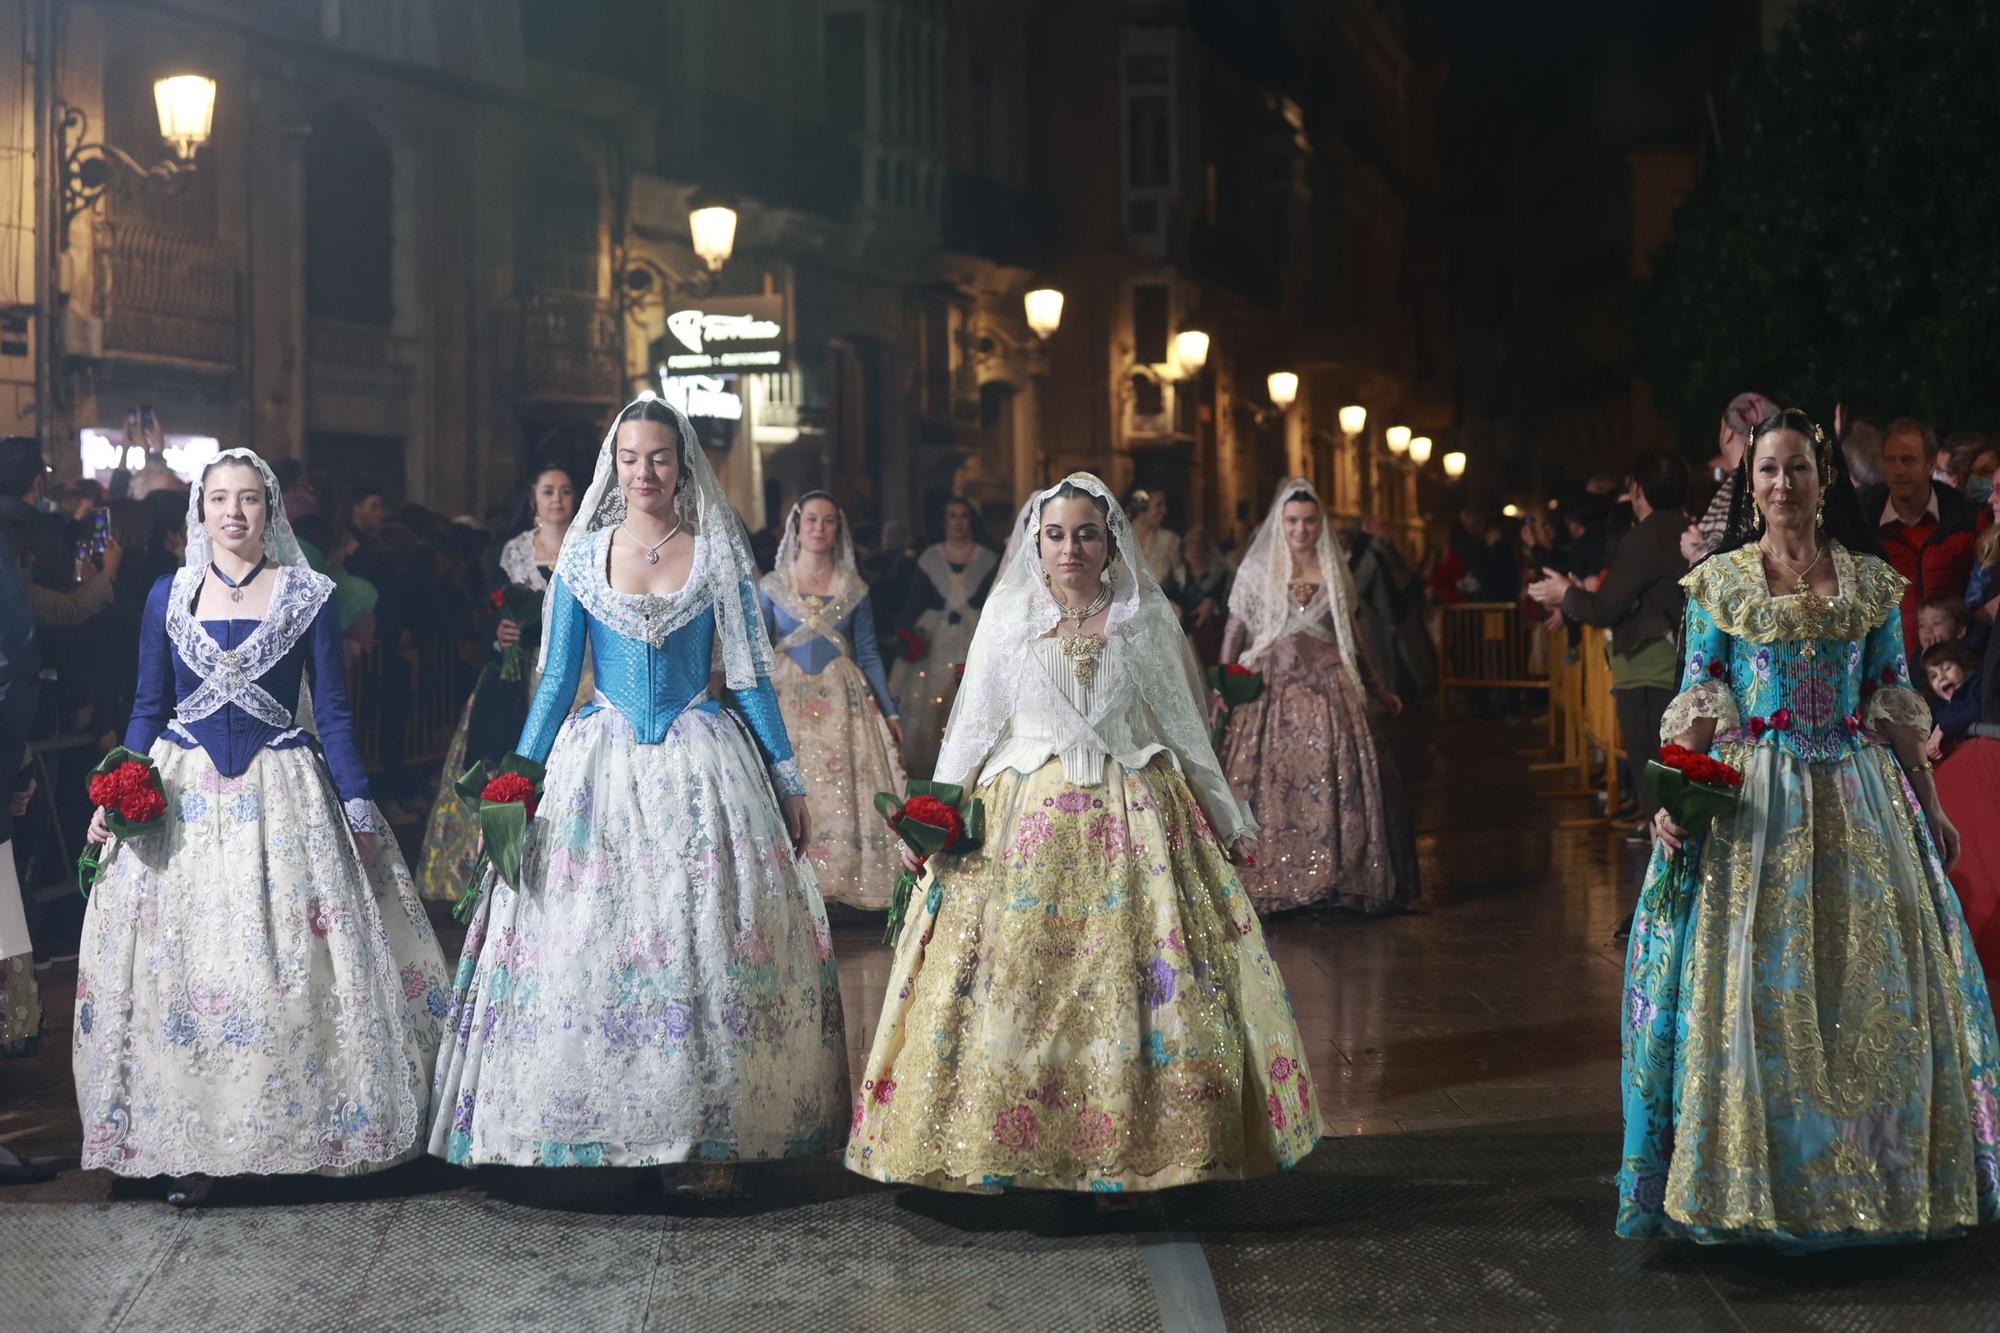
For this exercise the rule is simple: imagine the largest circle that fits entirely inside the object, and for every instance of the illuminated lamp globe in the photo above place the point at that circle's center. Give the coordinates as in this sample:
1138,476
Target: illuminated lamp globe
186,103
1190,352
1353,419
1420,450
1284,386
1044,308
1454,465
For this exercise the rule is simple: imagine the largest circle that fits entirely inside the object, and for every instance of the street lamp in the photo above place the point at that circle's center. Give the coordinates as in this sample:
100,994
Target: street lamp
1044,307
1420,450
713,228
1397,438
1454,465
1353,419
185,104
1284,387
1189,352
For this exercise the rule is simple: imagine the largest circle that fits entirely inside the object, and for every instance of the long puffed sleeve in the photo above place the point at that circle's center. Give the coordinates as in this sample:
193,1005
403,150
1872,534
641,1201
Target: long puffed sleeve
1705,690
333,718
759,708
567,634
1885,665
860,630
153,695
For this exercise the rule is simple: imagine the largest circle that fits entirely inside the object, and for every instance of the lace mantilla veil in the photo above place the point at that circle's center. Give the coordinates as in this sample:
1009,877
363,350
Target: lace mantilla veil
296,597
723,574
1154,659
846,590
1261,597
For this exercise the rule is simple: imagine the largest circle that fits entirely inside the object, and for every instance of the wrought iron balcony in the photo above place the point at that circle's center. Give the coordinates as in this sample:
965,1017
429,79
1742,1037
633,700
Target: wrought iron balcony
168,296
571,349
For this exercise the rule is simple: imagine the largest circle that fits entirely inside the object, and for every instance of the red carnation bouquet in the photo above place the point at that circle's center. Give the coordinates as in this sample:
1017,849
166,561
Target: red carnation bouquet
127,788
523,606
935,817
914,645
1695,790
1236,684
506,802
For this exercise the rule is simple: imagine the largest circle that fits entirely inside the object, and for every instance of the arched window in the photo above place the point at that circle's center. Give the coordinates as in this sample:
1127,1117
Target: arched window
562,214
350,221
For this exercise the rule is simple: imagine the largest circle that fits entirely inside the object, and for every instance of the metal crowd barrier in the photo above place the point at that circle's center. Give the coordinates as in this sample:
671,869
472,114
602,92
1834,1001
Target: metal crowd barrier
422,701
1583,720
1488,646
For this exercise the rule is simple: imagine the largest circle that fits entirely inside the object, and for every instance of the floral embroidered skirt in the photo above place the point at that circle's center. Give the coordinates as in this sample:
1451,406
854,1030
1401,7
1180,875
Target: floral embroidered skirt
259,990
925,689
451,836
1084,1003
846,753
664,988
20,1006
1809,1050
1306,757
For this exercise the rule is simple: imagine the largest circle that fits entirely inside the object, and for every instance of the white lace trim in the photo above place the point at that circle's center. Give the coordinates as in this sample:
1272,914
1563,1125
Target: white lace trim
1710,699
517,562
788,778
229,676
363,816
1897,706
723,574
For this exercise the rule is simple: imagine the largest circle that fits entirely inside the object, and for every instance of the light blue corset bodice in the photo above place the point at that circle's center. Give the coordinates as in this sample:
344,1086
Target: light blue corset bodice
649,686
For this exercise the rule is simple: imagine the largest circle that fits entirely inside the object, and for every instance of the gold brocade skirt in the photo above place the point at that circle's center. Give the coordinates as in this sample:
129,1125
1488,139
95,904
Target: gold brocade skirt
847,755
1084,1003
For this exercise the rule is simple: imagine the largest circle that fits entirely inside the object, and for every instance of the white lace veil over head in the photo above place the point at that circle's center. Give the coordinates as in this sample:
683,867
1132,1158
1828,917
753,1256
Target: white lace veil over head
1261,596
1153,658
723,575
847,588
297,593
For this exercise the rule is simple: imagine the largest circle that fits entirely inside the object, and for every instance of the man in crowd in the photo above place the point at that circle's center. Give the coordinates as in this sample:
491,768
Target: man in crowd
1928,529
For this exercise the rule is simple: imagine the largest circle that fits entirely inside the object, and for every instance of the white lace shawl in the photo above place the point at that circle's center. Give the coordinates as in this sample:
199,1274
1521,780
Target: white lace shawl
1261,597
1155,663
517,562
724,575
956,587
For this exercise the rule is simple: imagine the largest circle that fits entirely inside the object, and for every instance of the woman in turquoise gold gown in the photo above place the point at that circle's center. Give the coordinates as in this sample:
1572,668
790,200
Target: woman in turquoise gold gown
1809,1052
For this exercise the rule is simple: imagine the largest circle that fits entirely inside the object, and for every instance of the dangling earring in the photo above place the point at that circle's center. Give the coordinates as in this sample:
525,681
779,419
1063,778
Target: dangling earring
1757,520
1104,575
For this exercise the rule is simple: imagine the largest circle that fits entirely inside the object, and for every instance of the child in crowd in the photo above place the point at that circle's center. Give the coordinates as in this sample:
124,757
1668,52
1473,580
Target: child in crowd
1955,681
1940,620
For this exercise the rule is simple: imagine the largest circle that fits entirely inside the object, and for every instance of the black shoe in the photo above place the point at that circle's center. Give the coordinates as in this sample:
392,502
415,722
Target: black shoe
190,1191
1624,931
18,1170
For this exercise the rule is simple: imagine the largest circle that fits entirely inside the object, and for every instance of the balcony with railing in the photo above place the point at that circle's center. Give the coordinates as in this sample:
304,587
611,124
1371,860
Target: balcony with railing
570,349
167,296
361,353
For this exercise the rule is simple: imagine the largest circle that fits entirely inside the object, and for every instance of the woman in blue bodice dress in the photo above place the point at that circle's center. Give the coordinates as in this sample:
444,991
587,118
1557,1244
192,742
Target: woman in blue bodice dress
259,990
1809,1053
660,985
834,694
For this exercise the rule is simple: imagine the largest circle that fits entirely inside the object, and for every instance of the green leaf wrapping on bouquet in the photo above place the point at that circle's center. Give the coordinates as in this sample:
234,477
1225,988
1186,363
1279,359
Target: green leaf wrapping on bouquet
1237,686
503,825
1692,805
927,839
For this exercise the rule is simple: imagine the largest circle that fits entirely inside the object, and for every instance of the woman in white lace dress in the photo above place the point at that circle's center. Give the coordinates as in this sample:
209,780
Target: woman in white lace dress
659,987
1084,1001
259,990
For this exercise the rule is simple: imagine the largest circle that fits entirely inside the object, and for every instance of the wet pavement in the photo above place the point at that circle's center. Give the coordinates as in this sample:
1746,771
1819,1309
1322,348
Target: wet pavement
1466,1056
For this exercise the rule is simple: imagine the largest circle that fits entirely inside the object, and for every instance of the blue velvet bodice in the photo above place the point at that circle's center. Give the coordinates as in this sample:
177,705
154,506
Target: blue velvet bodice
650,687
818,653
231,736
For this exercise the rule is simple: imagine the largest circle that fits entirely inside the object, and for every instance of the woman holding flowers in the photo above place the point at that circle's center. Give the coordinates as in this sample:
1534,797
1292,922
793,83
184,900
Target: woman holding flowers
835,699
1082,1000
1809,1054
259,990
1306,754
499,702
653,982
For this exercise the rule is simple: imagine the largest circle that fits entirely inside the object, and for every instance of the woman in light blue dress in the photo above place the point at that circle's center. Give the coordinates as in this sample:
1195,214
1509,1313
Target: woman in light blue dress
1809,1052
834,694
660,986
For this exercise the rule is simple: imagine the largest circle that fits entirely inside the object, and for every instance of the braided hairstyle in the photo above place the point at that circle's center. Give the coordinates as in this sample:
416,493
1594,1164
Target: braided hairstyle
1841,518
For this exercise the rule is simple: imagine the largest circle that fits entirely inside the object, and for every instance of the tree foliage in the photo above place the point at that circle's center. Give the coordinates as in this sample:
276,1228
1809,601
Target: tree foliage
1848,242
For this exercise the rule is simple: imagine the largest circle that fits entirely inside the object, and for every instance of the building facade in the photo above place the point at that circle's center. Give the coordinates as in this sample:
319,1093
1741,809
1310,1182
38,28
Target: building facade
432,241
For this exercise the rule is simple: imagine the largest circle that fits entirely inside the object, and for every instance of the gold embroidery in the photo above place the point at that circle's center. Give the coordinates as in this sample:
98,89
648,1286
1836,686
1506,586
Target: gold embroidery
1083,651
1732,589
